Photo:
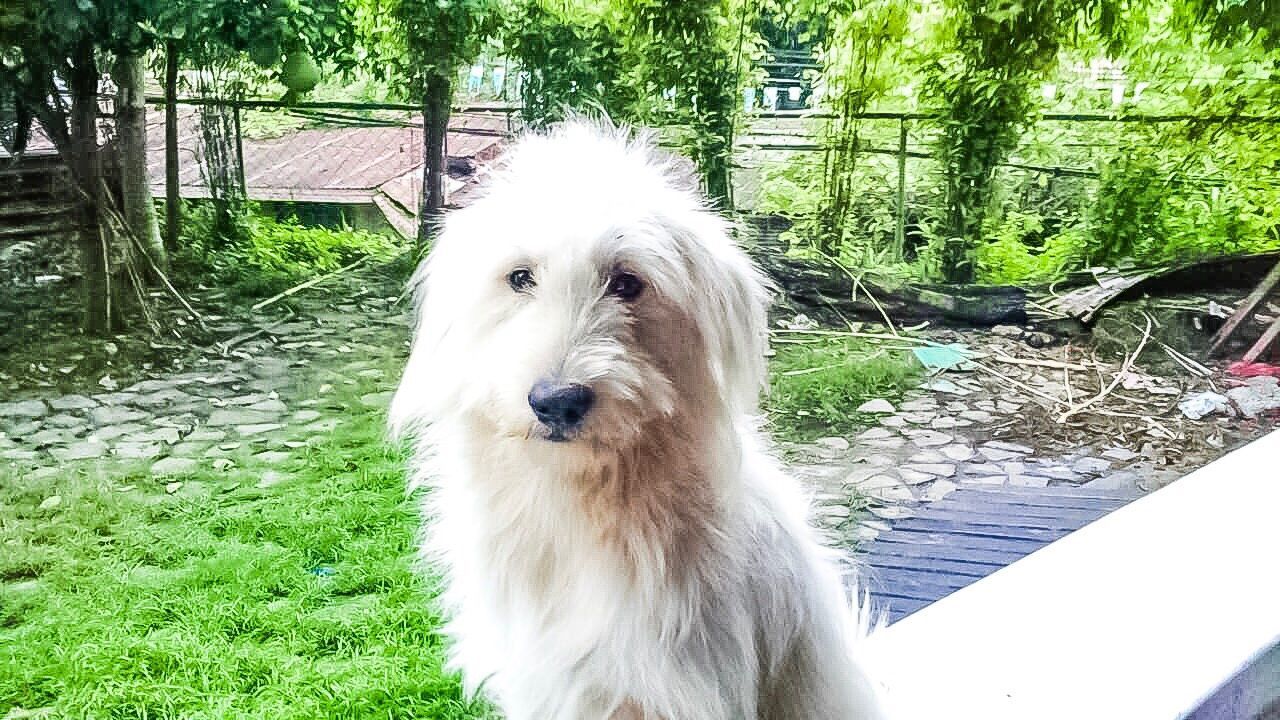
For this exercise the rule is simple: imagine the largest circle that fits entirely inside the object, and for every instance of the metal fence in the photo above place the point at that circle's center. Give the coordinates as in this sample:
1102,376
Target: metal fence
1054,171
360,163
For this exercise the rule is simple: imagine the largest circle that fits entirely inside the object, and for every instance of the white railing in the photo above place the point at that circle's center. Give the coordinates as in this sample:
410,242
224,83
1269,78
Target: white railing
1167,608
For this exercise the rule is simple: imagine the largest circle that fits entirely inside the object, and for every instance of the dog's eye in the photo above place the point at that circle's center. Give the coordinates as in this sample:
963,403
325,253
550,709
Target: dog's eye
520,279
625,286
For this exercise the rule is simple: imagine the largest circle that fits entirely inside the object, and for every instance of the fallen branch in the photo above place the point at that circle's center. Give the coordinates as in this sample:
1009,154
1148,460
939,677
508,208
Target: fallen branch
225,347
303,286
1016,383
1115,381
123,227
857,283
168,285
854,334
1187,363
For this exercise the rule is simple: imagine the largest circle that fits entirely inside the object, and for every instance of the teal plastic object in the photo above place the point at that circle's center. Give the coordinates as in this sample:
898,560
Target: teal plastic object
940,358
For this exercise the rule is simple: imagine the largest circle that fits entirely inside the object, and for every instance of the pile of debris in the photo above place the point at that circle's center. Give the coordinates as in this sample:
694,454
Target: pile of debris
1153,402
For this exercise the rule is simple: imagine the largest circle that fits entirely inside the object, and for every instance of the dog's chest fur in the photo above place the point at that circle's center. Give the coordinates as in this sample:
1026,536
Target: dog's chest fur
612,568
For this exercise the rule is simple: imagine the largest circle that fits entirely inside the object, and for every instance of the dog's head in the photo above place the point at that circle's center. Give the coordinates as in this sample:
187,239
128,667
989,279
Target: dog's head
584,298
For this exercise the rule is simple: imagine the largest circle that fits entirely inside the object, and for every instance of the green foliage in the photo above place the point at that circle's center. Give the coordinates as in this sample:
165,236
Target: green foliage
1232,21
210,33
1128,192
815,388
982,87
409,42
1129,210
267,256
791,189
208,603
689,62
1014,253
573,59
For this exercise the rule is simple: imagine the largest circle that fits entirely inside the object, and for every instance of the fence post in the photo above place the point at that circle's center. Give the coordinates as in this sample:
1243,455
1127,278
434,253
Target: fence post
172,196
900,228
235,119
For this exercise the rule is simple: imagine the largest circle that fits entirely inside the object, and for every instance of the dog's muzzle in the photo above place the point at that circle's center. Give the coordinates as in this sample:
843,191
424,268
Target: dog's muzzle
562,408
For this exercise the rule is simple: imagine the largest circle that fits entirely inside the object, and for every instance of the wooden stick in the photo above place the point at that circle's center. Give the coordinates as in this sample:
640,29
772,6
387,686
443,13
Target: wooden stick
1190,365
1264,342
225,347
303,286
1245,310
857,283
128,232
864,335
1124,370
168,285
1017,384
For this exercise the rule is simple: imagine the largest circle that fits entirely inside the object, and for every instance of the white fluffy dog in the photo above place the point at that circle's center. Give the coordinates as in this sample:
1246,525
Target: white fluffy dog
616,541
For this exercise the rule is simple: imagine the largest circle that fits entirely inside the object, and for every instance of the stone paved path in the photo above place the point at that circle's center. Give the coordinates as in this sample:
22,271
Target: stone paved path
933,444
264,401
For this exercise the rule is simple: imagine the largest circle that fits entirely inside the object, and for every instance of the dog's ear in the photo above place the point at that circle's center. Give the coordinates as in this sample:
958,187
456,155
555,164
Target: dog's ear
729,299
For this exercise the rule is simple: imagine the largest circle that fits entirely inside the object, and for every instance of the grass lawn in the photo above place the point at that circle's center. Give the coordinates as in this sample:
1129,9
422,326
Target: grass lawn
817,384
222,600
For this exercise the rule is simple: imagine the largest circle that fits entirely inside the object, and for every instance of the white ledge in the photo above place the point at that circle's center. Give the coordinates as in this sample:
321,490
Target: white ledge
1141,615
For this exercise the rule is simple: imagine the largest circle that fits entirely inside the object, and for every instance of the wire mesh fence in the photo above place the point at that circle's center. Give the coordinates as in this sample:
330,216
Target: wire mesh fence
336,164
359,164
1204,182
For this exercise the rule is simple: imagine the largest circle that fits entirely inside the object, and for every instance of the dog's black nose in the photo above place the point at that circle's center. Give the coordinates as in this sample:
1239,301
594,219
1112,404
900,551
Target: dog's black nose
562,408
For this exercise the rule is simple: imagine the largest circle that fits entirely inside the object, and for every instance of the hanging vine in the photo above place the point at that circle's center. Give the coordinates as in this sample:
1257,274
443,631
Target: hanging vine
691,59
982,90
853,57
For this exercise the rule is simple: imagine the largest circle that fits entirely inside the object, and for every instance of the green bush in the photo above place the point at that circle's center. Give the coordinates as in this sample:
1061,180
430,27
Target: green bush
1008,258
274,254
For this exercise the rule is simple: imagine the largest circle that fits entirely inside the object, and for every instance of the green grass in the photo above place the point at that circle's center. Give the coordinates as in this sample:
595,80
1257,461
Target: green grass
816,386
223,600
298,600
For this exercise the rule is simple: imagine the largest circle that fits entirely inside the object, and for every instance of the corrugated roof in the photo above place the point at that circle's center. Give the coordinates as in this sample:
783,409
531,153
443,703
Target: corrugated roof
339,164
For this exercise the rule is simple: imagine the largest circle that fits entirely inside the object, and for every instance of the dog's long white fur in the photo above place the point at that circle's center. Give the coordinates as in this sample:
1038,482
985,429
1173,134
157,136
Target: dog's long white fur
659,565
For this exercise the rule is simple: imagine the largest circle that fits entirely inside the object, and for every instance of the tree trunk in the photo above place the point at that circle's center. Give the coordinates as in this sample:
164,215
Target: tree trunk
715,171
101,311
716,145
172,199
827,293
131,129
435,123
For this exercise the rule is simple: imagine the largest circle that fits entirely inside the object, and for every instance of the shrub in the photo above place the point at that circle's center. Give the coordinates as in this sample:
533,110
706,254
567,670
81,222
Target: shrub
1010,255
275,254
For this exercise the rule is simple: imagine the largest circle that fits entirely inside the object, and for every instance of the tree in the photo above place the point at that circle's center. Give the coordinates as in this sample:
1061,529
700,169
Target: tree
982,90
50,63
572,59
47,45
231,42
128,72
420,45
691,59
